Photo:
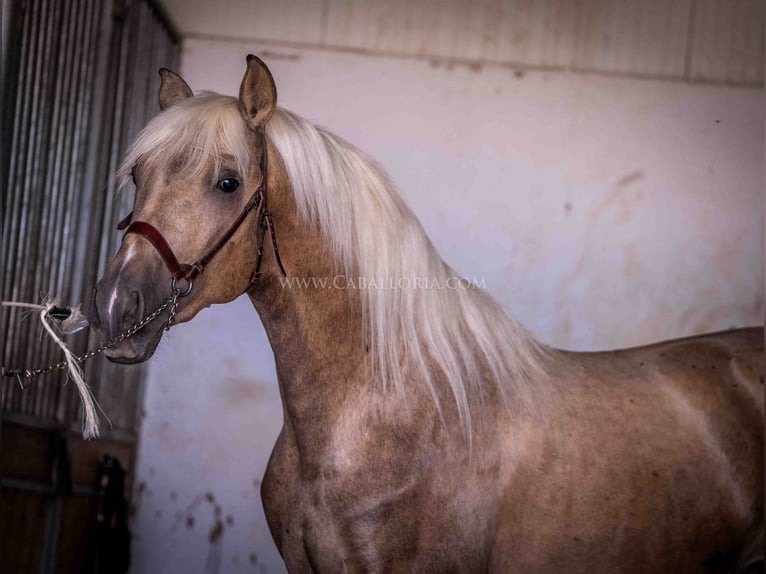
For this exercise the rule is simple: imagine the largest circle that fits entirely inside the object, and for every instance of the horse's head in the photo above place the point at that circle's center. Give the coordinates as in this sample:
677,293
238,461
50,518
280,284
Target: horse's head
198,168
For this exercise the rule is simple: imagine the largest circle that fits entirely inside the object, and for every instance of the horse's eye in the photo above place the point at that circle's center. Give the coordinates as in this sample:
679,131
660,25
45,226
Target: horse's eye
133,175
228,184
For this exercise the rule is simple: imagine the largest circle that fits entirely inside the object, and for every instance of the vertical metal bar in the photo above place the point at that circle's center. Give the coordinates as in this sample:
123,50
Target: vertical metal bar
59,137
84,74
35,171
123,86
80,119
52,528
94,185
92,199
101,223
31,213
48,191
14,58
18,150
38,266
111,377
73,53
11,232
43,351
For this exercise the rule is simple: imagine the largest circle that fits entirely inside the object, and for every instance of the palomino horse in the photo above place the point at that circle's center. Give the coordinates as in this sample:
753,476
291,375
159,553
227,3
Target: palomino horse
424,428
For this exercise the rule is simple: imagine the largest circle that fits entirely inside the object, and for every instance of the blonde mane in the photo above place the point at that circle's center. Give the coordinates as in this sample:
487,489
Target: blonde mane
414,310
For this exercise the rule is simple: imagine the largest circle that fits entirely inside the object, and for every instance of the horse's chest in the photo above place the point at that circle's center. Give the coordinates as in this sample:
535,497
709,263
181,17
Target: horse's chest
311,536
371,516
297,501
331,524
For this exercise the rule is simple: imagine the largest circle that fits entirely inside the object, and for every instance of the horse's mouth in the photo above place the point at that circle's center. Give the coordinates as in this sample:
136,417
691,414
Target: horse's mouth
136,349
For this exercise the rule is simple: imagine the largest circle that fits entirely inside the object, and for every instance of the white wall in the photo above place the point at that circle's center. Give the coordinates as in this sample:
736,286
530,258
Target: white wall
603,211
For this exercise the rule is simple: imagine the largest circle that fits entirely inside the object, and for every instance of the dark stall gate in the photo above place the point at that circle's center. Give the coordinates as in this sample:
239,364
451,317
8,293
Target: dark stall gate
79,80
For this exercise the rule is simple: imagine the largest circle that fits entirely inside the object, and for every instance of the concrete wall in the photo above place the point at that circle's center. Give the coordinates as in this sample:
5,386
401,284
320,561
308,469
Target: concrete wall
603,210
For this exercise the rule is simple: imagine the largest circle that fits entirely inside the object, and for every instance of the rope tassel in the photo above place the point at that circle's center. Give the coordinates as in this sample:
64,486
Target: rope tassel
69,321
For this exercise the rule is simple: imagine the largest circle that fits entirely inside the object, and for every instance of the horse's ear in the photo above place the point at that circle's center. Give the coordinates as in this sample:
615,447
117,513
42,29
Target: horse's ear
172,89
258,94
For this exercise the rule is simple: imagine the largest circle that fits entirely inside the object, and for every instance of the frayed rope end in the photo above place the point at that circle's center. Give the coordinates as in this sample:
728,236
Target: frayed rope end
89,405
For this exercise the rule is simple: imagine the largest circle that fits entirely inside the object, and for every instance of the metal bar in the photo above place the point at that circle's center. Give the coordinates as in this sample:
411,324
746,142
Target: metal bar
68,263
30,214
44,487
49,196
38,171
11,129
59,141
65,394
20,134
52,529
37,268
93,188
27,485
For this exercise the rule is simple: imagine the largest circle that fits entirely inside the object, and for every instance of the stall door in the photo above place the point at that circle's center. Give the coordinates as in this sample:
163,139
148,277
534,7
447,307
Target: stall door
79,80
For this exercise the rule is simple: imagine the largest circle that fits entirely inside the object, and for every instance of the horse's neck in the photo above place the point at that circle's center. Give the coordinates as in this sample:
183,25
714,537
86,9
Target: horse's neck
316,338
315,330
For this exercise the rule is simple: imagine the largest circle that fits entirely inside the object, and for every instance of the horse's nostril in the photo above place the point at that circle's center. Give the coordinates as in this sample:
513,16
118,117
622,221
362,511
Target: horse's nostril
131,313
115,310
137,308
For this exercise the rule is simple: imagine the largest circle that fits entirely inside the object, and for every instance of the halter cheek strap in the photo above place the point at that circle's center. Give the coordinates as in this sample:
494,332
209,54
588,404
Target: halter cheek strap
189,271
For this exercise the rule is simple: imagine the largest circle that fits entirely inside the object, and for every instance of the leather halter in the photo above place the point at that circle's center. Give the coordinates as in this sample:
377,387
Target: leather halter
189,271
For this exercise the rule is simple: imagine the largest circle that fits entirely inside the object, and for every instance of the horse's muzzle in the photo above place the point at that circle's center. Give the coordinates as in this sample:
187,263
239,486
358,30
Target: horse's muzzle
121,299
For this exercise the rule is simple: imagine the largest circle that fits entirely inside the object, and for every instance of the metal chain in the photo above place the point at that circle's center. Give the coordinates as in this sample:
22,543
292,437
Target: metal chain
24,376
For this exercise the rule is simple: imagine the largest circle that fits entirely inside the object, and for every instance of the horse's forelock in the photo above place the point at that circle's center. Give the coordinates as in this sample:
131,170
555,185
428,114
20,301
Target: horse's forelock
190,133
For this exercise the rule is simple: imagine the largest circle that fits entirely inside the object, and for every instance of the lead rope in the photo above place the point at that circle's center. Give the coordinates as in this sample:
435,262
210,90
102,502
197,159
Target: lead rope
72,362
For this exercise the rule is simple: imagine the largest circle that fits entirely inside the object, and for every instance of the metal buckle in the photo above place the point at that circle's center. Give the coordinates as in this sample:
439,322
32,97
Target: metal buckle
175,288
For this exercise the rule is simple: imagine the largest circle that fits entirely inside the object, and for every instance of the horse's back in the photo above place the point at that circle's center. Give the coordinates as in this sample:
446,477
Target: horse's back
651,460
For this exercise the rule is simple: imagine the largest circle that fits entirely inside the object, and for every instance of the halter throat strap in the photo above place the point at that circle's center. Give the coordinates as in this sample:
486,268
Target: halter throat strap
188,272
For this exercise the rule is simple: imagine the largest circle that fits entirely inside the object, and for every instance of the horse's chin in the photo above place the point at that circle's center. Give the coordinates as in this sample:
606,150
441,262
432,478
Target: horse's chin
135,349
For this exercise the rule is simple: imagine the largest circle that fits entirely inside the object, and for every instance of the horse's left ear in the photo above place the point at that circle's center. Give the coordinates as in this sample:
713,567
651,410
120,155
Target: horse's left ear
172,89
257,94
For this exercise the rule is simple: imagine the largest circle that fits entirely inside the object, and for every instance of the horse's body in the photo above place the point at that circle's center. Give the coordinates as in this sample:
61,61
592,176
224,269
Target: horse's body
645,460
516,458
